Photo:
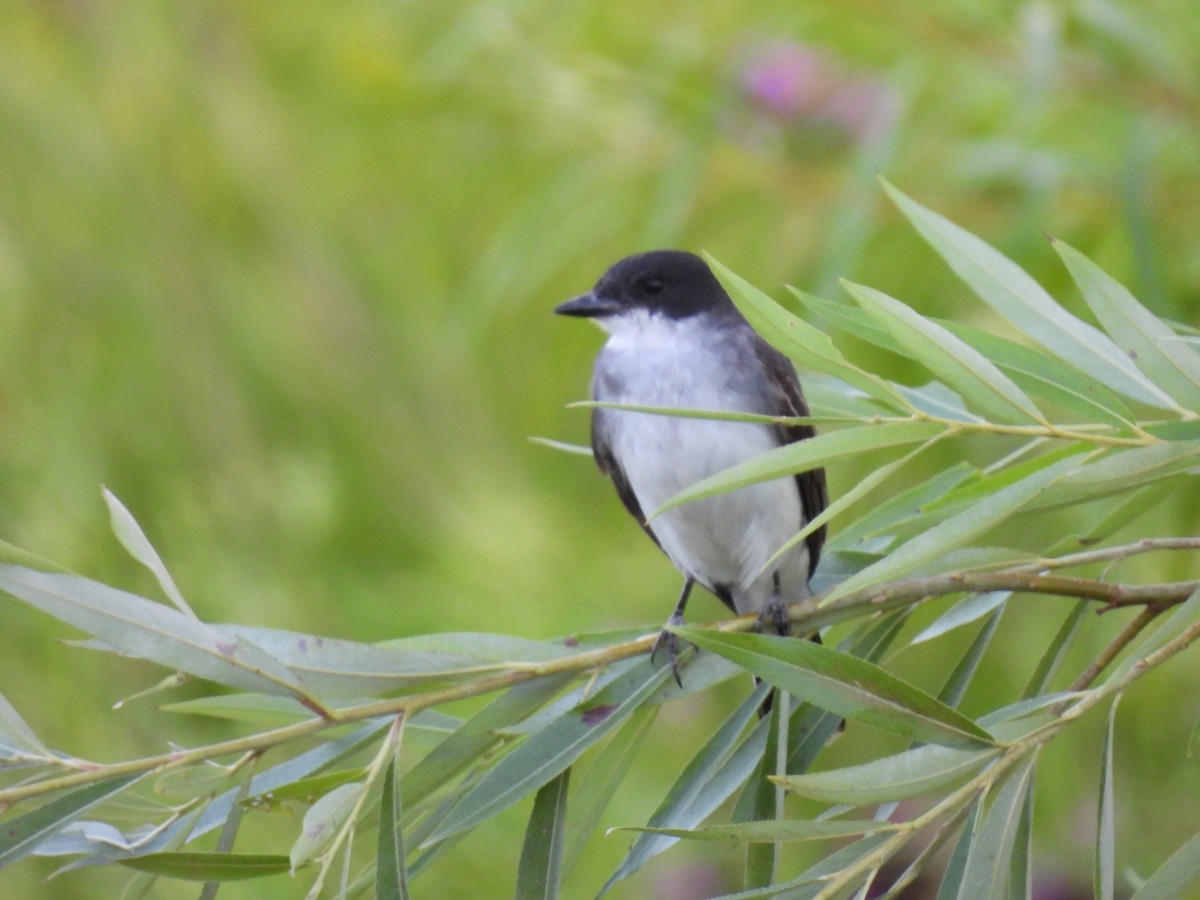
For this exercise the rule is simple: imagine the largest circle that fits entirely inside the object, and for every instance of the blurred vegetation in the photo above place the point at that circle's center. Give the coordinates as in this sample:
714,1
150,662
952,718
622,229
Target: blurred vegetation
280,276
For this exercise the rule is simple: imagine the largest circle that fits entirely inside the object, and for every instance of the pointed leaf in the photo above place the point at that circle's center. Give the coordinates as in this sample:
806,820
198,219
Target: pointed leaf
772,830
15,734
1009,290
193,866
540,871
843,684
802,456
800,341
1104,872
990,859
1059,645
134,540
391,871
960,366
1174,877
476,736
1145,338
545,754
907,774
956,685
1037,372
956,866
597,783
323,820
705,782
21,834
964,612
957,530
149,630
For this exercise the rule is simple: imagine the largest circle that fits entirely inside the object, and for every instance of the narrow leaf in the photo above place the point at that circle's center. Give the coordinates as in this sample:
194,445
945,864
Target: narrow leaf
544,755
135,542
1145,338
957,530
843,684
964,612
149,630
1059,645
540,871
1009,290
1104,872
802,456
20,835
1173,878
475,736
989,861
703,784
960,366
15,733
391,875
197,866
772,830
957,864
956,685
596,784
800,341
322,822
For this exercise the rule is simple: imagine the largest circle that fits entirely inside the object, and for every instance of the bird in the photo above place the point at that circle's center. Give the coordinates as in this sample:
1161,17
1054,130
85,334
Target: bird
676,339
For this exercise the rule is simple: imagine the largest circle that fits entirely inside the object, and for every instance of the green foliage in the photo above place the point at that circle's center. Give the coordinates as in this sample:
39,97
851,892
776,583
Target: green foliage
414,779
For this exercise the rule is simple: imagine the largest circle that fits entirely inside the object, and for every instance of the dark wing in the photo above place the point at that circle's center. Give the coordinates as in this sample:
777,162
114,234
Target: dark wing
788,400
609,466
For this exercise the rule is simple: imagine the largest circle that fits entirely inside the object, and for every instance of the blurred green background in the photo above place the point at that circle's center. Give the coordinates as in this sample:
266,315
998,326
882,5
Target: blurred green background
280,275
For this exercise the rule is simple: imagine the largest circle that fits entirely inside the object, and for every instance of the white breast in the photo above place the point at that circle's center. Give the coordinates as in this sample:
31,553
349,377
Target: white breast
722,541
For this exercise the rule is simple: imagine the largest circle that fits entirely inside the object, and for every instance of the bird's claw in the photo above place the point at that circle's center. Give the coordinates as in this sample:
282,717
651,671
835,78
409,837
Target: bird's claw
775,615
669,641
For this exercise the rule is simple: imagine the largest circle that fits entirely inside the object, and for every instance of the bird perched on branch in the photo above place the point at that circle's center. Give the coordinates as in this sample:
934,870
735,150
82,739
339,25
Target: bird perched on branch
677,340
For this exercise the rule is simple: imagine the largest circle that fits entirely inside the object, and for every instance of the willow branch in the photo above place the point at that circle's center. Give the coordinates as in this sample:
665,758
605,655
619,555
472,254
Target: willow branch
807,615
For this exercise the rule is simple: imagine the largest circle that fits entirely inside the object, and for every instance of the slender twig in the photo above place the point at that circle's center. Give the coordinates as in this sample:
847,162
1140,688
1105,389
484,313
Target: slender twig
1147,545
1119,643
807,615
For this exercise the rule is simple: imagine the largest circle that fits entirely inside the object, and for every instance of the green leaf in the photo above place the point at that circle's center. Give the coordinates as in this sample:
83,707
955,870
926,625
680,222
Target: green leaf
771,831
198,866
304,790
1035,371
476,736
956,363
1059,645
150,631
802,456
21,834
711,775
959,529
545,754
843,684
967,610
135,542
1145,338
539,873
1174,877
1020,875
391,871
1009,290
1121,470
956,866
323,820
1104,871
800,341
908,774
956,684
16,737
595,785
990,858
904,504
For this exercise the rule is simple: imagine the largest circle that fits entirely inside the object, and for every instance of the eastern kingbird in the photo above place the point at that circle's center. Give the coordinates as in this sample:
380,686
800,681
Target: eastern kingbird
677,340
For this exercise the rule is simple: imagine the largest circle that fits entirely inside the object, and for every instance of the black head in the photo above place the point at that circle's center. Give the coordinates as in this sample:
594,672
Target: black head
671,282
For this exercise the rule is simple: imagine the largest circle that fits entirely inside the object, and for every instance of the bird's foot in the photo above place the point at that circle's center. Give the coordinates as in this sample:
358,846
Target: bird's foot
775,616
668,641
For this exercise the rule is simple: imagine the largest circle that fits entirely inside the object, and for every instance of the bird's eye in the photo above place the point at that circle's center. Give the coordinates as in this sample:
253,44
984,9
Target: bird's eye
652,285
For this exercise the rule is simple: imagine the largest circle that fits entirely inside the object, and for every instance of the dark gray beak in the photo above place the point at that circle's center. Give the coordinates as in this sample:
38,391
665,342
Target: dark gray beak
589,306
